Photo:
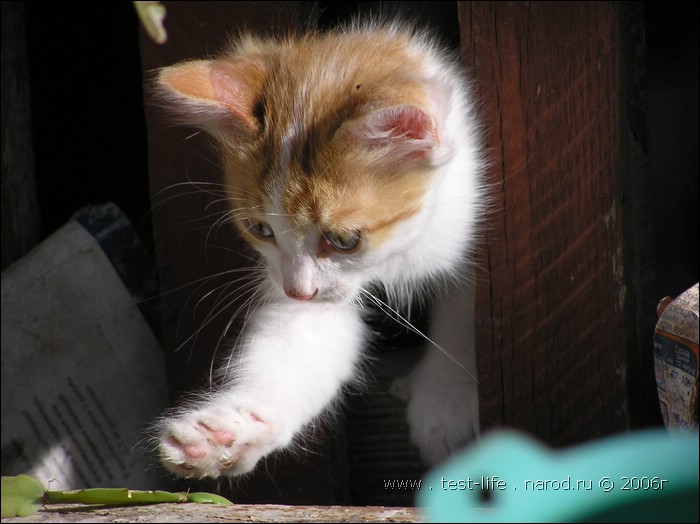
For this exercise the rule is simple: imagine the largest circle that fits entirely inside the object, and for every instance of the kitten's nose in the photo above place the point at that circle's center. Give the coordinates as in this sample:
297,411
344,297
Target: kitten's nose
300,295
299,279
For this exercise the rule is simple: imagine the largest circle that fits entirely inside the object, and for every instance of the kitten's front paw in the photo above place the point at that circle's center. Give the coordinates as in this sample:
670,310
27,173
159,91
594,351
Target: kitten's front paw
218,441
443,414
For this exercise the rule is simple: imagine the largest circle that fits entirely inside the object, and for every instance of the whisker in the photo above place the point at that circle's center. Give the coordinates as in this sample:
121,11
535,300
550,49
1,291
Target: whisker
201,281
198,185
221,191
254,288
172,197
221,288
213,313
404,322
249,305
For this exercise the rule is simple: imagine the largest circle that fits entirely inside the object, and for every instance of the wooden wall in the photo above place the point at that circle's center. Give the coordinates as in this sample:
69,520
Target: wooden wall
562,283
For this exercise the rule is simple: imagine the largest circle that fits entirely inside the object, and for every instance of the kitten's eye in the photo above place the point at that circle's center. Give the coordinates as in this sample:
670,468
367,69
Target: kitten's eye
260,229
345,242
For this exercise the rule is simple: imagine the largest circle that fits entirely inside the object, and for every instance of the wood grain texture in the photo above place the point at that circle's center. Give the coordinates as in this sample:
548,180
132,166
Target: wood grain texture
214,513
554,302
20,210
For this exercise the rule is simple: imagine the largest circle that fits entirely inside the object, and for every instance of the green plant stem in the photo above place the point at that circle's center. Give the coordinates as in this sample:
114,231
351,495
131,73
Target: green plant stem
123,496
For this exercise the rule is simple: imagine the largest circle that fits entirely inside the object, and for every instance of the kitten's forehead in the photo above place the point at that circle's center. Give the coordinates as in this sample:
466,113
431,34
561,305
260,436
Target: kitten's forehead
344,198
341,191
315,84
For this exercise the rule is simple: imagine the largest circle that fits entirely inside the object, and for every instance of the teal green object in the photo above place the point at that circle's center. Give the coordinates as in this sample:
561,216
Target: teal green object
643,476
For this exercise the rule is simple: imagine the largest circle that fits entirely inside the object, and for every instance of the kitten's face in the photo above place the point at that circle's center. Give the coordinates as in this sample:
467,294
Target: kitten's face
325,228
327,156
307,263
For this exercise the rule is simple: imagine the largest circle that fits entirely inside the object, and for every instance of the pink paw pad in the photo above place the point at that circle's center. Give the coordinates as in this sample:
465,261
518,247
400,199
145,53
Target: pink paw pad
194,451
191,450
225,438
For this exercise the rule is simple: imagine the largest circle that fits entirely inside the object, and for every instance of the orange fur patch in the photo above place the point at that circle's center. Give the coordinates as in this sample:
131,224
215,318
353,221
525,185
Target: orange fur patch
312,85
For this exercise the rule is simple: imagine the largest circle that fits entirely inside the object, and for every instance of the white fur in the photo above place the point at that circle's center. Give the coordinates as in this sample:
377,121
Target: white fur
298,354
294,359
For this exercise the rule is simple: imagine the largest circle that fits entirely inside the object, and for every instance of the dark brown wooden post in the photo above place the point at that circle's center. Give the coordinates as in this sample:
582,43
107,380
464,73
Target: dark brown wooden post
20,211
564,255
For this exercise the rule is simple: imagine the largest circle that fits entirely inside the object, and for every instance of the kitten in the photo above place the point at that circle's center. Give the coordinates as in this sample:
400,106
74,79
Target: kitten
351,160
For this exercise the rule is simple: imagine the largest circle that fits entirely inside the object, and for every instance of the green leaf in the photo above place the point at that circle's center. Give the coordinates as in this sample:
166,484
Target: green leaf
21,496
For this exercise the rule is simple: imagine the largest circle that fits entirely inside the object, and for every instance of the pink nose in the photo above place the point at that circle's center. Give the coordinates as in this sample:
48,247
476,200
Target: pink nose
298,295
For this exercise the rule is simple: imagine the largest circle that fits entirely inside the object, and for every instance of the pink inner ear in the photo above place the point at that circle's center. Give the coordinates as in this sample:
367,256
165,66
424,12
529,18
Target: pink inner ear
211,89
406,122
236,87
407,128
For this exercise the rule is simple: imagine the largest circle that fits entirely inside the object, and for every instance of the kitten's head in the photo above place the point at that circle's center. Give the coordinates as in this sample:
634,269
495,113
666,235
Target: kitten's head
334,148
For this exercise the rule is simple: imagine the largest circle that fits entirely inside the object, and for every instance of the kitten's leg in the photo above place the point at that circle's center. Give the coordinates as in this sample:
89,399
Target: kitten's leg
443,409
294,361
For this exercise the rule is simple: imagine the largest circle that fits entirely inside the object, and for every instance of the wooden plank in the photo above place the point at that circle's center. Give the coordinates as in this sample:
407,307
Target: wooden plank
555,300
214,513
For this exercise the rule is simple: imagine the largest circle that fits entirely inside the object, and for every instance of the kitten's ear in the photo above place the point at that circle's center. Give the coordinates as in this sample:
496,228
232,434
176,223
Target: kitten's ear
405,132
211,93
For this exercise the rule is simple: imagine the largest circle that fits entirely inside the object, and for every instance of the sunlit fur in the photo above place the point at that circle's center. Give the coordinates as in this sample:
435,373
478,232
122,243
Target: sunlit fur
364,133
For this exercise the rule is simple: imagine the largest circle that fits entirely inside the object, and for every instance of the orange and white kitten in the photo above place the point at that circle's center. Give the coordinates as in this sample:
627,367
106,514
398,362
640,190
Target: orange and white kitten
351,160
